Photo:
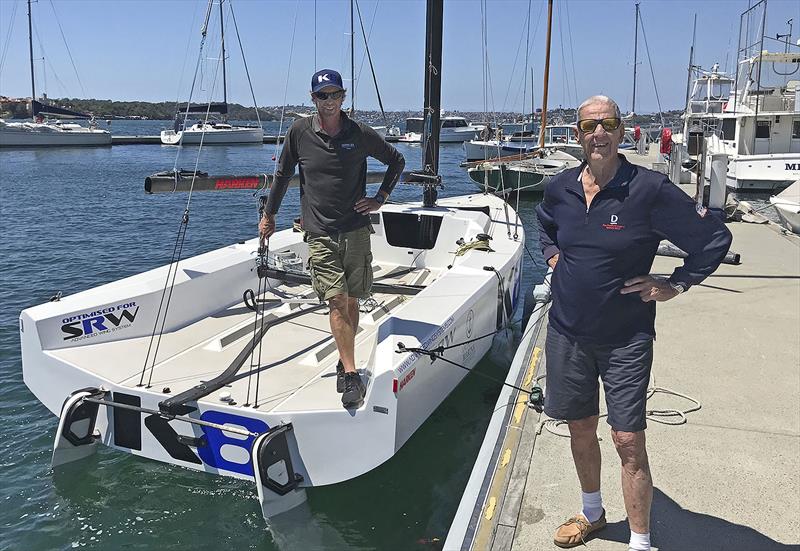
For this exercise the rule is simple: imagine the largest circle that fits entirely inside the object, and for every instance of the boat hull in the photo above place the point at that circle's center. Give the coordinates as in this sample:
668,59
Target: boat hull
99,339
42,135
241,135
763,172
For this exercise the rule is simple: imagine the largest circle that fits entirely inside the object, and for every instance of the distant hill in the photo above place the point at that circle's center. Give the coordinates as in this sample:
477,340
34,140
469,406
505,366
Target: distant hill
108,109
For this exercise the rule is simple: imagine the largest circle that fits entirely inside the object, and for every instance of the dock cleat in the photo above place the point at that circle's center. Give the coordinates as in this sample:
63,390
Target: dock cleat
354,391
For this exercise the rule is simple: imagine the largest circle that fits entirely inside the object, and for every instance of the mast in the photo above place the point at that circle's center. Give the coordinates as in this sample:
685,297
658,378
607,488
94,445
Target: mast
635,52
546,72
352,62
30,48
533,103
224,75
433,92
691,61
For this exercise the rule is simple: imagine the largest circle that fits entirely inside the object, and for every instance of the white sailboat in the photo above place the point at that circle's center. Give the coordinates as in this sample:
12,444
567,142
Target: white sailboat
237,378
211,132
43,132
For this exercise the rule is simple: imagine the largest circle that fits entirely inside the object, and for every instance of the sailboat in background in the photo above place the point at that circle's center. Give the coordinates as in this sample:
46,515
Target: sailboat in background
42,132
528,172
215,131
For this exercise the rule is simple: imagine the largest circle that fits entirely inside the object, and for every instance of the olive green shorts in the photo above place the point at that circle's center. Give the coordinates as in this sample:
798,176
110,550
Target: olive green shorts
341,265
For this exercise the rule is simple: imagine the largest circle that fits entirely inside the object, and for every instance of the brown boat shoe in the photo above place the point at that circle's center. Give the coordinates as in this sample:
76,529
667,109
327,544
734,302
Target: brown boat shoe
574,532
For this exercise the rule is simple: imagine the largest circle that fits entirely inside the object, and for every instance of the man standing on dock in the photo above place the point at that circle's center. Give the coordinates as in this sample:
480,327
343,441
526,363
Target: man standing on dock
332,150
599,227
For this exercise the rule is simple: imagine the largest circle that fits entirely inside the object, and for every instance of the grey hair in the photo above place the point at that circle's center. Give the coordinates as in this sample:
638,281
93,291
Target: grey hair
600,99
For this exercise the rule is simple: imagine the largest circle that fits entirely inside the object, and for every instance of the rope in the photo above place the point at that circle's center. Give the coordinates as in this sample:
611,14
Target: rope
437,354
476,245
668,416
179,239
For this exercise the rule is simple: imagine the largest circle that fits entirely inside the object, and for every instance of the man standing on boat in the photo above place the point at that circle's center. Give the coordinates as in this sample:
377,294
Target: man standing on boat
599,226
331,151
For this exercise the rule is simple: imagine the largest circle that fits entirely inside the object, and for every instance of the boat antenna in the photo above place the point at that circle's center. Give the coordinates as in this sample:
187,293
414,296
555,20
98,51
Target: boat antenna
546,72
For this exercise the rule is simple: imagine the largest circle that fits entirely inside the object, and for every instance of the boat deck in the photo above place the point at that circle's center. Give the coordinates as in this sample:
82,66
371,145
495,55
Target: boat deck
297,359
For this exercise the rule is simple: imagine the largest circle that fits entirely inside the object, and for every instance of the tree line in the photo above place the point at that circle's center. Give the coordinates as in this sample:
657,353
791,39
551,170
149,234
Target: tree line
108,109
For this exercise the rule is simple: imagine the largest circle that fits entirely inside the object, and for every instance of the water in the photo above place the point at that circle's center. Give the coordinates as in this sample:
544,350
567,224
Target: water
73,219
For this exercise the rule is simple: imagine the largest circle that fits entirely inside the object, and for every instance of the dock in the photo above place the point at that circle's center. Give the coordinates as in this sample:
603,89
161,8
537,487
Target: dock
726,478
156,140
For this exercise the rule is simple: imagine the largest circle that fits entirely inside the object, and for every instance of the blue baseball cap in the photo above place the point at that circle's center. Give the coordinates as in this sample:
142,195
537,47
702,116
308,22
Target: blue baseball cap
324,78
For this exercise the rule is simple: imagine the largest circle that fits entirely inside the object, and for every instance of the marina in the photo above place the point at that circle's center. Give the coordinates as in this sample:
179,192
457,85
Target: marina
712,396
166,368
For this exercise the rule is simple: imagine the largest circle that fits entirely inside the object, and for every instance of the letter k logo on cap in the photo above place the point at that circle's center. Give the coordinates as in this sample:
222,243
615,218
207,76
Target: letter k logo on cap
326,77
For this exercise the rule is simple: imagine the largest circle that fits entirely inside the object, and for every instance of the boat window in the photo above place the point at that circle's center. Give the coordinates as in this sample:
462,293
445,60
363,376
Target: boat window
411,231
762,129
796,129
454,123
720,90
728,131
414,125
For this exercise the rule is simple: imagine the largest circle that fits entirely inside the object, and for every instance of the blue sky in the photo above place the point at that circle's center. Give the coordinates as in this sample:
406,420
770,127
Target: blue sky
147,49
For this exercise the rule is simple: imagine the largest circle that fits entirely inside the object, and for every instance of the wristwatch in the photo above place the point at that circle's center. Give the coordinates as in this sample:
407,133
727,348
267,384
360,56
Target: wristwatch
380,198
677,286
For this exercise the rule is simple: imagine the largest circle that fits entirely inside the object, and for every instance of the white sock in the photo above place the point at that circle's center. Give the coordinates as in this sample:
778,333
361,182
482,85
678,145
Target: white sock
640,542
592,505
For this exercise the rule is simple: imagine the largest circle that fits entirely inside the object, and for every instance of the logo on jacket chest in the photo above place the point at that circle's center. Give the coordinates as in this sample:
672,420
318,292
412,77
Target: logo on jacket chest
613,224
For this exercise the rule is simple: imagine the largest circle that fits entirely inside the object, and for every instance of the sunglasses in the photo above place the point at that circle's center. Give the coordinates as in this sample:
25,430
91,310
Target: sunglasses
338,94
587,126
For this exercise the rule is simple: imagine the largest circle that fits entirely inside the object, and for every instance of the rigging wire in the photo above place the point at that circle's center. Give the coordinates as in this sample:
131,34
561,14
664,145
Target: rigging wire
46,63
177,251
69,53
244,61
263,252
652,73
369,35
185,59
372,68
572,56
8,37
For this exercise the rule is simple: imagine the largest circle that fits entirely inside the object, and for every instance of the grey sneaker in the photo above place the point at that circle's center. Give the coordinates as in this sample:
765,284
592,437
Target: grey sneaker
354,391
340,377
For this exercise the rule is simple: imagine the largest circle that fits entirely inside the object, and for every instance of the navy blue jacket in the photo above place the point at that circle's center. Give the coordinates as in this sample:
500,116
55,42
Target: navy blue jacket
616,239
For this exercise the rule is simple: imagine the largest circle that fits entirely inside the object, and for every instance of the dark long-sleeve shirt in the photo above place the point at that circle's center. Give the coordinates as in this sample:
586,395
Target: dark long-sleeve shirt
333,172
616,239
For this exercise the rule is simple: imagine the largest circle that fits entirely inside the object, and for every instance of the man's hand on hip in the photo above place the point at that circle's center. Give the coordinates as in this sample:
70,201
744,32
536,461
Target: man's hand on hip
366,205
266,226
649,288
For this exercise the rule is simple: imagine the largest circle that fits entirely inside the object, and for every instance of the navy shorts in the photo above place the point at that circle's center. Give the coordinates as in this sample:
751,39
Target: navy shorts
573,369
